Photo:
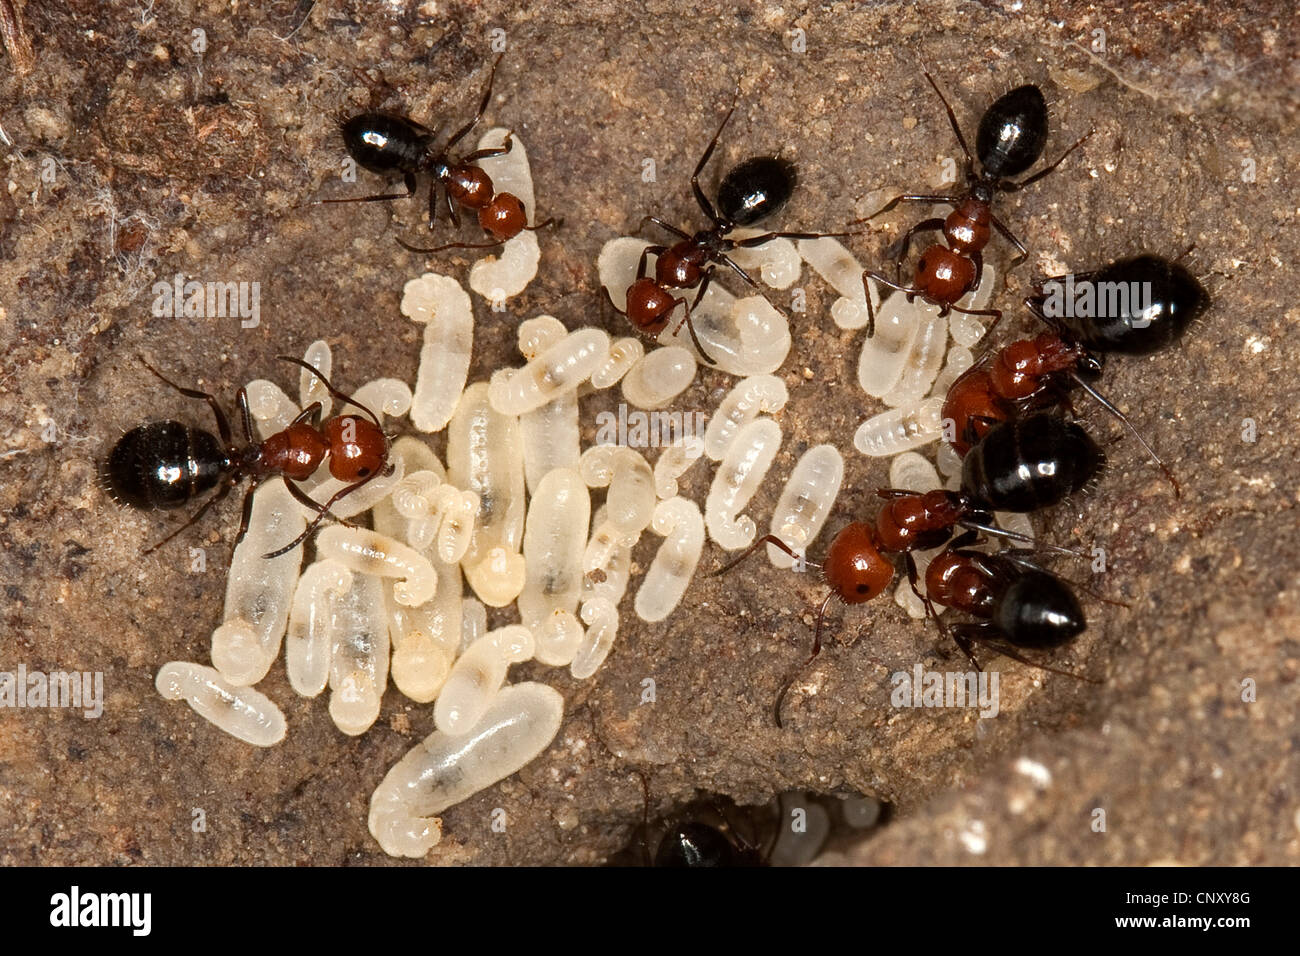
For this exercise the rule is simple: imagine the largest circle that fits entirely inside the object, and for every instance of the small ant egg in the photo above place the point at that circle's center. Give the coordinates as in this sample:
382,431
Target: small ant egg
443,771
624,354
660,377
746,400
806,501
555,536
259,591
679,522
477,676
742,470
674,461
441,303
241,712
306,644
900,429
368,552
310,387
560,368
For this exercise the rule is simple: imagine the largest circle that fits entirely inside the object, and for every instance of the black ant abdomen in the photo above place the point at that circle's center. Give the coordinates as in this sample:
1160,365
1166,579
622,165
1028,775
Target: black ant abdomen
164,465
1133,306
1038,610
756,189
385,142
698,845
1012,133
1028,463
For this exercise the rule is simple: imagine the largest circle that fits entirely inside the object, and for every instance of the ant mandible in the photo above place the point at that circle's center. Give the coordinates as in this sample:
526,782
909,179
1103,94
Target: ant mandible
167,464
1011,137
751,191
386,143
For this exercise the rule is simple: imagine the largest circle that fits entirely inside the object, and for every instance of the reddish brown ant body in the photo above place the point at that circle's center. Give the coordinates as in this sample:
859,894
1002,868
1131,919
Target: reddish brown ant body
165,465
1010,139
387,143
751,191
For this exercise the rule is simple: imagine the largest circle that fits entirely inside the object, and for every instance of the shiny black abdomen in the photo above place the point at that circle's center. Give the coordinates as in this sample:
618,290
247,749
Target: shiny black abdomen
1029,463
1038,610
696,845
755,189
383,142
1012,132
164,465
1139,305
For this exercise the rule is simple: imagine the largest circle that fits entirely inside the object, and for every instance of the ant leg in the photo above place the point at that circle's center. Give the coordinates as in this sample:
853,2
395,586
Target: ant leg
995,314
457,136
690,327
451,209
549,221
895,493
753,241
223,425
408,180
974,524
739,271
1010,237
450,245
610,299
771,539
907,197
491,151
320,514
1106,404
311,412
816,649
704,287
897,251
433,202
1016,187
246,416
978,259
962,636
644,261
220,495
662,225
952,118
980,632
343,397
702,200
246,512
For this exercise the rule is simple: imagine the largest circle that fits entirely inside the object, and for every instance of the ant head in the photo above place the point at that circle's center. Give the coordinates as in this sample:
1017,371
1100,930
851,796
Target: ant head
855,569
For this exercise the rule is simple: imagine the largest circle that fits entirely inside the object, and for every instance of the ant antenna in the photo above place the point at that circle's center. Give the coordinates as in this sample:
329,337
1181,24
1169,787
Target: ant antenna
343,397
1118,415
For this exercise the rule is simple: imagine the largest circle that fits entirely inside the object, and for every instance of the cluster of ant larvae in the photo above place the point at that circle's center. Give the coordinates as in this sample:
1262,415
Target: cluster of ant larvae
441,517
743,467
806,502
517,725
500,277
443,307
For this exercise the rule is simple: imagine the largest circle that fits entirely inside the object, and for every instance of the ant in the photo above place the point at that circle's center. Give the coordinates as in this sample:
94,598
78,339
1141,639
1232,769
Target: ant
751,191
1011,137
701,837
165,465
1027,373
1018,604
386,143
1021,465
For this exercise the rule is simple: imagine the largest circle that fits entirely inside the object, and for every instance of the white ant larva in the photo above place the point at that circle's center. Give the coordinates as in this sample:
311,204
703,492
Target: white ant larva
307,641
259,591
742,470
900,429
358,635
442,771
560,368
310,387
806,501
477,676
674,461
624,353
442,305
682,526
660,377
369,552
240,711
554,537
